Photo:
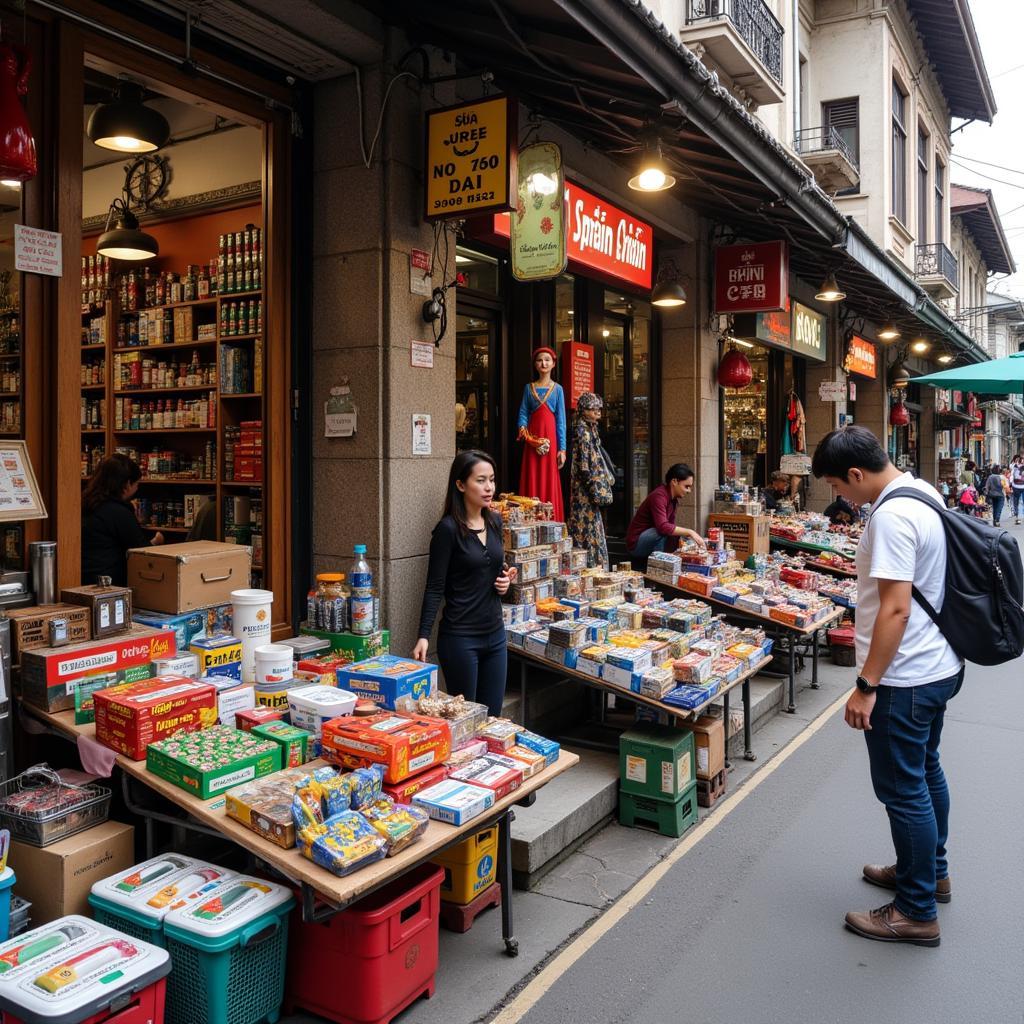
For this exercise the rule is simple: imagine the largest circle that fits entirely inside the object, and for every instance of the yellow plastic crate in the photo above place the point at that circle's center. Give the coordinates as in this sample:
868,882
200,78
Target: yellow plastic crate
470,867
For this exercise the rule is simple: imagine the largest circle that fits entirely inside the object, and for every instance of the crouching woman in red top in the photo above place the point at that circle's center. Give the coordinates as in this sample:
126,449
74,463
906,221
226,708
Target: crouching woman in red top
654,525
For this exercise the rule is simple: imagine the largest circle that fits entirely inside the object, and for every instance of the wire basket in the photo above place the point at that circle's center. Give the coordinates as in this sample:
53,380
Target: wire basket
39,807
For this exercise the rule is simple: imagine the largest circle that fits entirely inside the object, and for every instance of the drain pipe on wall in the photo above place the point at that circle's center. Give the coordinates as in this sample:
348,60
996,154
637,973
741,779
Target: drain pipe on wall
797,91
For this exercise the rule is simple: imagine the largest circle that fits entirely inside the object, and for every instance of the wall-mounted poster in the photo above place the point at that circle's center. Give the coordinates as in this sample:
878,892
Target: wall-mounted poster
19,492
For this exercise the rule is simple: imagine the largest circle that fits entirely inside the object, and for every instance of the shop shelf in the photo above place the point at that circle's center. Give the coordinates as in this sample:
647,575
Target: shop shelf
10,394
94,387
94,348
155,391
177,480
237,394
169,344
170,305
173,430
241,483
10,355
11,433
240,337
240,295
94,430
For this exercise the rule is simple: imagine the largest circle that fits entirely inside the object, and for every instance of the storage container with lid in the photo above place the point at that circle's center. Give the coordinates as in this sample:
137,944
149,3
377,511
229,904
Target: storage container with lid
136,901
7,880
229,954
310,706
76,971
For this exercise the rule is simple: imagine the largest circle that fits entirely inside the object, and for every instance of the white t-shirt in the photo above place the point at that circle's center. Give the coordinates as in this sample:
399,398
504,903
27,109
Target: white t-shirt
904,541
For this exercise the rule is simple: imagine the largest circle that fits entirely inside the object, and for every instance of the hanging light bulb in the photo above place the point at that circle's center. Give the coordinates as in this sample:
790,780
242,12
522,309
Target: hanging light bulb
829,290
898,377
889,332
652,174
125,241
945,358
920,346
126,124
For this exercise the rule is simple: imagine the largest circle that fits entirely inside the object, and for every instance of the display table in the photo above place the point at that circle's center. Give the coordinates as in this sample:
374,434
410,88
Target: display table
526,659
323,894
799,545
793,635
833,570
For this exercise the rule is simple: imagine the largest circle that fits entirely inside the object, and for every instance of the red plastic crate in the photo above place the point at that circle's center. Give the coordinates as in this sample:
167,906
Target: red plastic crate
368,963
145,1007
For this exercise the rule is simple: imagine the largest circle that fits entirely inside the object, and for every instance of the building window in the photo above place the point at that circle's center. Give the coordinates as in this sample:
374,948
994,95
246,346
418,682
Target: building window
922,186
940,177
843,116
899,154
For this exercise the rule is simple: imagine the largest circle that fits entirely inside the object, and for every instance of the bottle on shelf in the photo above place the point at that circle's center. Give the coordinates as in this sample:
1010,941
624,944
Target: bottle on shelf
363,599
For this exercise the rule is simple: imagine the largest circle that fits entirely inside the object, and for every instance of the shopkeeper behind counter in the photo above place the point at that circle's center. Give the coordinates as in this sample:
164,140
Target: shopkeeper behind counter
777,489
110,526
654,525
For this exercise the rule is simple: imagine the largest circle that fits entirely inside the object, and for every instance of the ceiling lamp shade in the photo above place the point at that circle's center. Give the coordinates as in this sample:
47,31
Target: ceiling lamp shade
17,146
126,124
652,172
945,358
898,377
125,241
889,332
899,415
734,371
668,294
829,290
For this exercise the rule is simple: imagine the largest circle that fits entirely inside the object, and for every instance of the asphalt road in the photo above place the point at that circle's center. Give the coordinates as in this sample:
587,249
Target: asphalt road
748,925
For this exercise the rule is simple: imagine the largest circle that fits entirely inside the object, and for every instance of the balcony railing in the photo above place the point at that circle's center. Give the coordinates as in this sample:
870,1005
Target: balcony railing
754,22
820,140
936,260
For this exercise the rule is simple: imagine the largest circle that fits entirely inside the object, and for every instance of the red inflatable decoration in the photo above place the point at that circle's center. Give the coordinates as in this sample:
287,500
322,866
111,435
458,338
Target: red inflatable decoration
734,371
17,147
899,415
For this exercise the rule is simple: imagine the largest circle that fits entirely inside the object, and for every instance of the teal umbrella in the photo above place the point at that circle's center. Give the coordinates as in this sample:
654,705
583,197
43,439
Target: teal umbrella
994,377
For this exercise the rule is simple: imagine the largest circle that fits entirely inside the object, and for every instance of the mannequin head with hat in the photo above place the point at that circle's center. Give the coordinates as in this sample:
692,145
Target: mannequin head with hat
544,362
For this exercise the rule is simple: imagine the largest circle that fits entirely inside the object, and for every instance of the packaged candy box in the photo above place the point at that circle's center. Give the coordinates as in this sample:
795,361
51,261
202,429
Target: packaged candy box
265,806
403,744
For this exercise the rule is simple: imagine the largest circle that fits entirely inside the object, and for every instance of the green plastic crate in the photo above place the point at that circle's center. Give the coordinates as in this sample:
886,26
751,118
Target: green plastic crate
669,817
656,761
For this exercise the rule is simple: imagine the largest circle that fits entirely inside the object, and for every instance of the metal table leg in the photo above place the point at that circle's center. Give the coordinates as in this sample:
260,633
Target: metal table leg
505,879
725,711
792,675
814,661
522,693
748,753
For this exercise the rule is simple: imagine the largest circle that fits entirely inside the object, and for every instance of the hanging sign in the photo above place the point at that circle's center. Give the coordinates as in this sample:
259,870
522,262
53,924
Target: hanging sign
37,251
603,238
861,357
751,278
470,158
775,328
577,369
537,243
808,333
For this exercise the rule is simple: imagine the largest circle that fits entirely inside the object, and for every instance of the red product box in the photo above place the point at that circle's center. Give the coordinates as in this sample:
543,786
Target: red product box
403,792
247,720
492,771
131,716
404,744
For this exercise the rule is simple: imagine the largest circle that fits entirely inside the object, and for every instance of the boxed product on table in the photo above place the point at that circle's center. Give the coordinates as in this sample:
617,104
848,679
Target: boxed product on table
656,682
403,792
727,668
530,762
247,720
466,753
690,696
208,762
350,647
265,806
219,655
176,578
454,802
109,607
499,734
294,742
85,706
30,627
232,697
390,681
130,716
492,772
692,668
179,665
536,642
49,675
465,718
539,745
518,633
188,626
591,660
403,744
310,707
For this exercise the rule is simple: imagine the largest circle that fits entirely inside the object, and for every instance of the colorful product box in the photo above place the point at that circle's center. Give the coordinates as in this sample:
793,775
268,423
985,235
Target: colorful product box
499,734
219,656
496,773
188,626
232,699
454,802
85,689
294,742
132,715
247,720
539,745
389,681
403,792
352,647
265,806
404,744
49,675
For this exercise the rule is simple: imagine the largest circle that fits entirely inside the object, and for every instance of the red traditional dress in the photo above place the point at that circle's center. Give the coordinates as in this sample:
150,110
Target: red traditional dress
539,476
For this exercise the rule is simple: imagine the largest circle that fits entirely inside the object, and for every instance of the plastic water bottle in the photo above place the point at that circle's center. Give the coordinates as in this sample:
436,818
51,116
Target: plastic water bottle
362,602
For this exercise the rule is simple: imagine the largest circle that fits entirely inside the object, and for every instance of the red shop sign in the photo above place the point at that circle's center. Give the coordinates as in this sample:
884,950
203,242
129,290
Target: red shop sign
751,278
861,357
602,237
577,369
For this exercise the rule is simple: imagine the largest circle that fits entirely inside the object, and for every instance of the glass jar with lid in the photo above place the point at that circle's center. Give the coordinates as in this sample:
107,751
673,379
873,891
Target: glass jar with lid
331,602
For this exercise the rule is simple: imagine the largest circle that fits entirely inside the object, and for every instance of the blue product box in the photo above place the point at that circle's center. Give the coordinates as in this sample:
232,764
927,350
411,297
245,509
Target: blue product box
454,802
392,682
548,749
188,626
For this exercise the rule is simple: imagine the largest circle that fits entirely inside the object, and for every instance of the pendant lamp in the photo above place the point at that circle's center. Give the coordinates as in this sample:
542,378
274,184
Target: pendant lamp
668,291
17,147
899,414
125,241
126,124
734,371
830,290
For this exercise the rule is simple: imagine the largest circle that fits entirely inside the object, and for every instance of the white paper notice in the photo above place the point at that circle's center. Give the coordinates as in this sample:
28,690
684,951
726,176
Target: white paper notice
422,354
421,433
832,390
37,251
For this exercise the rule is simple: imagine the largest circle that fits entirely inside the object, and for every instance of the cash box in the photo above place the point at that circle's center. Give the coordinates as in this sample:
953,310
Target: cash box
110,607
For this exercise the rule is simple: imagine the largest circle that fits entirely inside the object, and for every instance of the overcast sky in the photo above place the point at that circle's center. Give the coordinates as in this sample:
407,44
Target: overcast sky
1000,25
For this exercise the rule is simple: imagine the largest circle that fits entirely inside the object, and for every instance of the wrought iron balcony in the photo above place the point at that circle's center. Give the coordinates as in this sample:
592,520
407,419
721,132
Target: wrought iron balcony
733,31
828,156
937,269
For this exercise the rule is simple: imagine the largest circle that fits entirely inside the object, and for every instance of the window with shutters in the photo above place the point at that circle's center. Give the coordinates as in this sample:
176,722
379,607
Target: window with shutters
940,178
843,118
899,153
922,186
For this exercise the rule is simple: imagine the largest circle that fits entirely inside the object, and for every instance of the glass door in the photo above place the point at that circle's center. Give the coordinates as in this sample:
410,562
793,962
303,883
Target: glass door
476,334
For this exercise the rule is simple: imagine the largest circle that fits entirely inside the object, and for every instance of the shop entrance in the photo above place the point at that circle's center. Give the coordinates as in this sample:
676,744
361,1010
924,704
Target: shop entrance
476,395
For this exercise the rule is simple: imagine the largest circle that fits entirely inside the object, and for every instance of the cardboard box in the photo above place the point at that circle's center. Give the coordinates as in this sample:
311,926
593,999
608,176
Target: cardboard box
748,535
49,675
404,744
109,606
176,578
390,681
709,739
30,626
219,656
358,648
57,878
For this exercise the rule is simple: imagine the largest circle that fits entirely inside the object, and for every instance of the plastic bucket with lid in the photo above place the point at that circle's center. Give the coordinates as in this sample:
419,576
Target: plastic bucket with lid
273,663
251,610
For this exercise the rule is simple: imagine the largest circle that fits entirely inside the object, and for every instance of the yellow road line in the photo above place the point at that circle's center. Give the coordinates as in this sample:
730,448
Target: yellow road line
516,1010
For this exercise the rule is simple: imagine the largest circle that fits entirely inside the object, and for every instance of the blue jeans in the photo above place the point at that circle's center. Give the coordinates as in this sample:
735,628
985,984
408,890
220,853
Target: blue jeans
903,749
997,509
651,540
1018,499
475,666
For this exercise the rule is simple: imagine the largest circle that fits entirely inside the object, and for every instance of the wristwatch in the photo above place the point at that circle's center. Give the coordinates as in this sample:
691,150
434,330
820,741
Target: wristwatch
864,686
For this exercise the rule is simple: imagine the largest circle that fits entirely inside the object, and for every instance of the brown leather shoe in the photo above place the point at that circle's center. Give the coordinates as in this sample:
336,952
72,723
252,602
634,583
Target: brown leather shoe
885,878
887,924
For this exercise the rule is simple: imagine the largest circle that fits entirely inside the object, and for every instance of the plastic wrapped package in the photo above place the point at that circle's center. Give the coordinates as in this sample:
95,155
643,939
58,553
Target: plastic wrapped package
345,843
400,824
464,717
365,785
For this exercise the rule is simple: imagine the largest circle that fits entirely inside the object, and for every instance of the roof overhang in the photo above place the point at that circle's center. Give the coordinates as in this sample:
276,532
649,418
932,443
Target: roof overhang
977,209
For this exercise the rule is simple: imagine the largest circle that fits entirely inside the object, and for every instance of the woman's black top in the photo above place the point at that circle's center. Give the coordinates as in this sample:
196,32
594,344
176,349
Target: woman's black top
108,531
463,571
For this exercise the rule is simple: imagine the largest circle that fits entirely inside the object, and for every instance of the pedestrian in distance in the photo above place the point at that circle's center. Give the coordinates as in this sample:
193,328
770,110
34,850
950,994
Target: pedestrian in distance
467,570
1017,485
907,674
994,493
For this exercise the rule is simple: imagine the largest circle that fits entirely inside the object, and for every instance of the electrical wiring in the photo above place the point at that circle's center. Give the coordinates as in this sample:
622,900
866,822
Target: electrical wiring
986,163
368,155
987,177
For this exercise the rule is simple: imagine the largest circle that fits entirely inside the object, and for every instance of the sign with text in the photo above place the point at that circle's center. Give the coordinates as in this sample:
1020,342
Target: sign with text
537,243
19,492
470,158
751,278
832,390
796,464
37,251
577,370
601,237
808,333
861,357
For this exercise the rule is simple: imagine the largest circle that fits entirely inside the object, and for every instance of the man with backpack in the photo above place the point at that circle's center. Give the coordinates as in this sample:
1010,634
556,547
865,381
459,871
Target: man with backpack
1017,483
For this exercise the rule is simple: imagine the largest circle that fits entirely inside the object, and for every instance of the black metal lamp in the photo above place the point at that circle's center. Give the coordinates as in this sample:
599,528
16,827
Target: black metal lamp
668,290
126,124
125,241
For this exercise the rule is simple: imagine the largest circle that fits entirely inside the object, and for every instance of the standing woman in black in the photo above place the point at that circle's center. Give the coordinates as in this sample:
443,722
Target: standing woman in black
467,569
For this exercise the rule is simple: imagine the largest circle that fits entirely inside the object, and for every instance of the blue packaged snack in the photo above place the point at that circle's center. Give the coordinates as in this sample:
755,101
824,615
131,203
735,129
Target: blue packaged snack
346,843
366,785
539,745
335,794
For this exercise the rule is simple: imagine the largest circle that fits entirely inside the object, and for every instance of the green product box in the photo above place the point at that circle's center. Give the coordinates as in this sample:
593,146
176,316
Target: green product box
207,783
656,761
359,647
294,742
85,711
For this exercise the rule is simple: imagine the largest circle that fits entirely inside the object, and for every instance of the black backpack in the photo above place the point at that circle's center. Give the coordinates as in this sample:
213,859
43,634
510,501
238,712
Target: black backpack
982,616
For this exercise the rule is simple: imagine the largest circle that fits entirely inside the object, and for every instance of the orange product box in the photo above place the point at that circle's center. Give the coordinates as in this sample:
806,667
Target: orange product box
131,716
694,583
403,744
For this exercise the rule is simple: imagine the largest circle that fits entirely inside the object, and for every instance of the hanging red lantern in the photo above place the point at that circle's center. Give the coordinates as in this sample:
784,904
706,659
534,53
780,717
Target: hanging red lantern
17,147
734,371
899,415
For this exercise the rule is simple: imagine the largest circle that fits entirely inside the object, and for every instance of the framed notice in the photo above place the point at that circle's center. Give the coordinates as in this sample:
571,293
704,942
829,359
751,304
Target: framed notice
577,370
19,492
537,245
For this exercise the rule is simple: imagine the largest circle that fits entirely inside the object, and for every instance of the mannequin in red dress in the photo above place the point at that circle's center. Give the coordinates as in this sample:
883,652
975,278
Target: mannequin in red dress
542,427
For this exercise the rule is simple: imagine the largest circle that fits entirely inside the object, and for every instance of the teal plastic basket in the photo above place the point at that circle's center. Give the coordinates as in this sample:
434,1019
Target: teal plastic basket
235,979
122,919
7,881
